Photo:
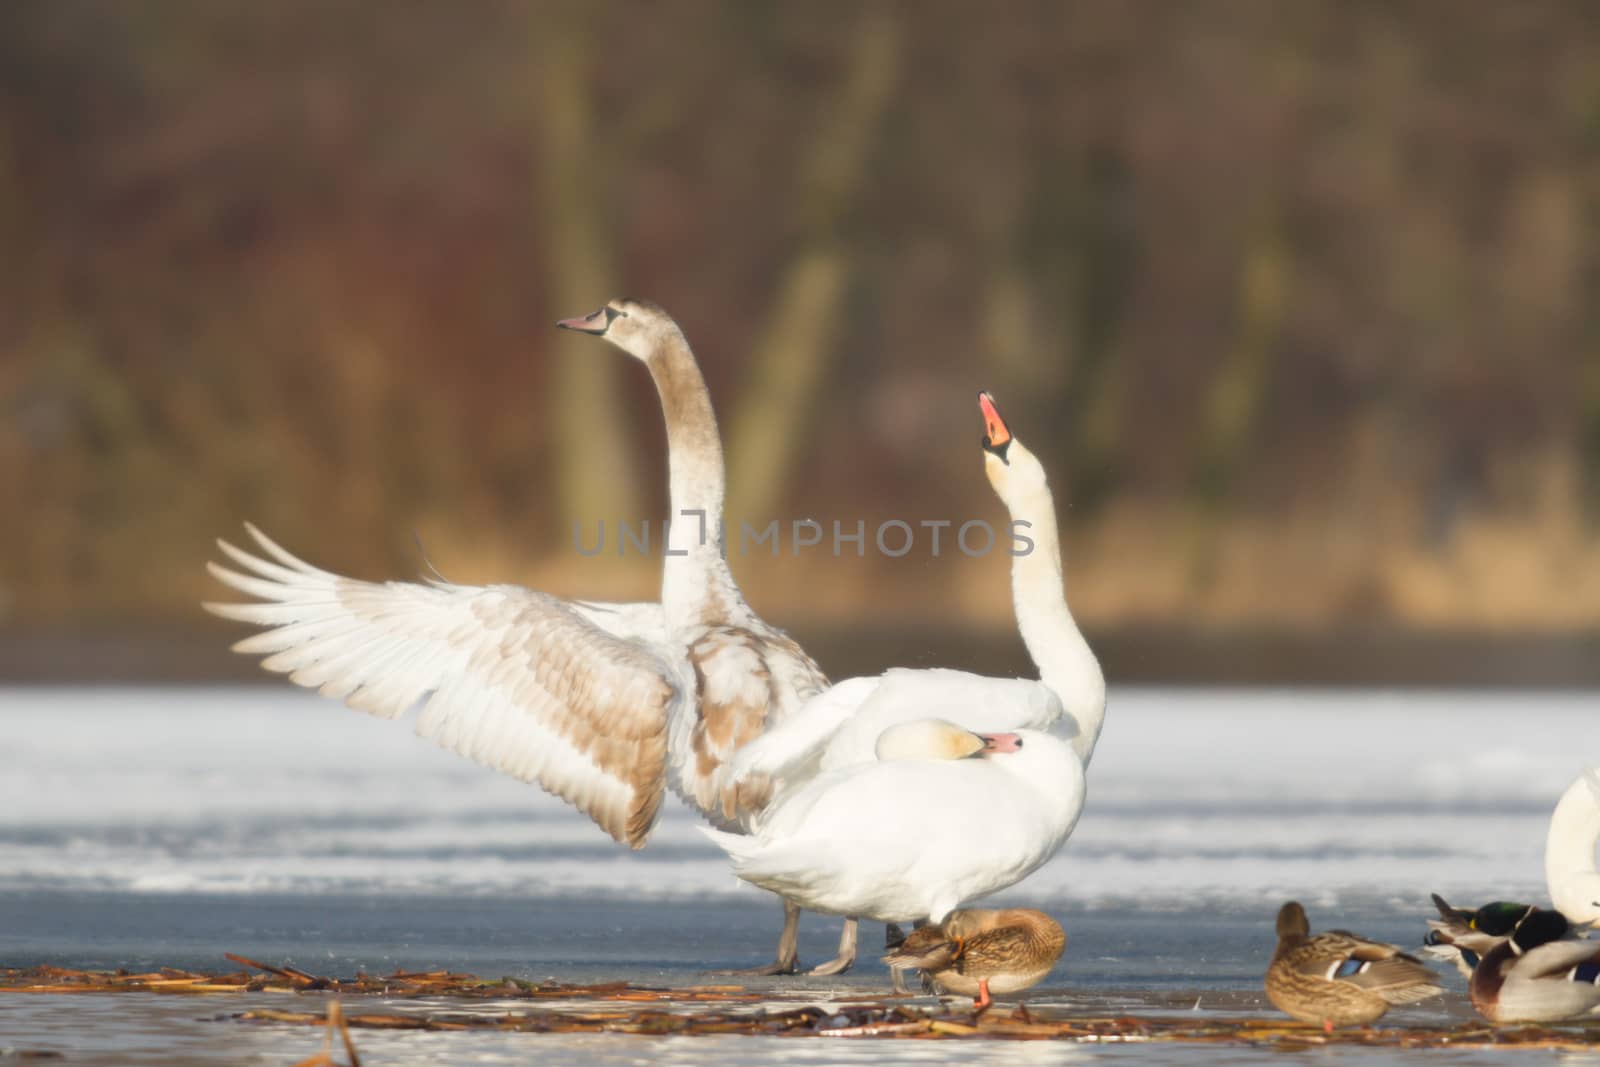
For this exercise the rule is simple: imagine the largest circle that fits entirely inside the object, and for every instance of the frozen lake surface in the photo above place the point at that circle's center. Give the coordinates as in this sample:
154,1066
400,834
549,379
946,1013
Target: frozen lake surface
167,826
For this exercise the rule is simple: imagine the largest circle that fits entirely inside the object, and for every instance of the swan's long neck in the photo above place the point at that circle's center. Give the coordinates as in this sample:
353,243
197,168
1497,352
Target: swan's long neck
1066,663
696,585
1569,852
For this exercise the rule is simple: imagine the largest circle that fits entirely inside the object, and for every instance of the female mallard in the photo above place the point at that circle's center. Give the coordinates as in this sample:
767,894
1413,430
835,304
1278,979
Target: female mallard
977,952
1463,935
1337,978
1536,976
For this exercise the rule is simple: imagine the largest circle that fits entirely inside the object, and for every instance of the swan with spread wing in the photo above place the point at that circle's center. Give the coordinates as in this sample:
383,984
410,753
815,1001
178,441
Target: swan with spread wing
604,705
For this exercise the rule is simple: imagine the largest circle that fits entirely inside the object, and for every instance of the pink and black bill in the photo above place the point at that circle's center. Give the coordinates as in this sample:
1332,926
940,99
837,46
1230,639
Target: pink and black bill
596,324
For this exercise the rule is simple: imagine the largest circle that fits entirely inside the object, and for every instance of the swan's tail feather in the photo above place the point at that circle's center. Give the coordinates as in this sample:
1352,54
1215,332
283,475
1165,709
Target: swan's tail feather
738,846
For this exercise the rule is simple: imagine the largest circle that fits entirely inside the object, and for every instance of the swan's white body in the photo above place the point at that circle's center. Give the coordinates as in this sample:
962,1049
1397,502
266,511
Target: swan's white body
602,704
1570,865
838,727
900,839
912,839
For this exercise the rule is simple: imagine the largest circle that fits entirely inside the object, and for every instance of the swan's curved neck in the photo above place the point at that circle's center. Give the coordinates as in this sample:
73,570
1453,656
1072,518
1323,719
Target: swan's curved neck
1570,869
1066,663
696,585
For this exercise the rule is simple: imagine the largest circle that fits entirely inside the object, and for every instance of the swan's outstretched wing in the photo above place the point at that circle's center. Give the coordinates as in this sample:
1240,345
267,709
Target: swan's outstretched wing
519,681
645,621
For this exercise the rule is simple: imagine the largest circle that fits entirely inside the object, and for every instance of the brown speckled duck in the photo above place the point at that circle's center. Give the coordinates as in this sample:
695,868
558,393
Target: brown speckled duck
1337,978
978,952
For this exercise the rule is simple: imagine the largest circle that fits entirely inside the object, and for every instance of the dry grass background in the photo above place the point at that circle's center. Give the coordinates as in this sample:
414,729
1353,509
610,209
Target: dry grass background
1296,302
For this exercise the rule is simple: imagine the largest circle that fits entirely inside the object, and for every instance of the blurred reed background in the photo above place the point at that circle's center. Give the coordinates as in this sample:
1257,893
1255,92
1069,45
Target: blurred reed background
1297,300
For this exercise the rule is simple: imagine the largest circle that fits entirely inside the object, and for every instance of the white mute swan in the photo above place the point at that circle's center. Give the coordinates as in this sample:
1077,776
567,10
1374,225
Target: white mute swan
603,705
1570,869
912,835
839,726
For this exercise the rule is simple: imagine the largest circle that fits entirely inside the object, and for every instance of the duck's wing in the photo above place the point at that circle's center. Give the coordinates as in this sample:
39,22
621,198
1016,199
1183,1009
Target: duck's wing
1374,966
1578,961
927,948
1452,938
1449,914
514,679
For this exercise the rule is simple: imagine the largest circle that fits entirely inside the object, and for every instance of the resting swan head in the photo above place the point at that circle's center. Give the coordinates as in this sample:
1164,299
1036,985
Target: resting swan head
1014,472
638,327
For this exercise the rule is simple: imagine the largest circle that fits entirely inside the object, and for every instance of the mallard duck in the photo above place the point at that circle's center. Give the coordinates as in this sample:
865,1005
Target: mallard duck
1463,935
1337,978
977,952
1535,976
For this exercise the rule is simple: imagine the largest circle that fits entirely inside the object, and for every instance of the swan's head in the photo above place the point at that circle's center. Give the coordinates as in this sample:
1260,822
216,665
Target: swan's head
638,327
1292,922
928,739
1013,471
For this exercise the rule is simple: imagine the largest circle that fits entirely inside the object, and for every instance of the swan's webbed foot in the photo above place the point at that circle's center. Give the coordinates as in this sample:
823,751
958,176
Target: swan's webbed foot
846,958
837,965
788,958
766,970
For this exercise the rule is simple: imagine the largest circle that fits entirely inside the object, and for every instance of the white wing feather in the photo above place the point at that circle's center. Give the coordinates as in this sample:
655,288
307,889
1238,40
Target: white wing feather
793,746
566,696
840,726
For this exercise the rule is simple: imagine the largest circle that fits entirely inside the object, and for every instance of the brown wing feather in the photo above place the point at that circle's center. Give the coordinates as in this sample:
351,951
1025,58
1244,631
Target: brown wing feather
740,677
928,948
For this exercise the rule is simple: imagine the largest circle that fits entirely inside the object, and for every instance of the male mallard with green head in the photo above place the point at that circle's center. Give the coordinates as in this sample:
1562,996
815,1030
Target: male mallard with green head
1337,978
978,952
1534,975
1464,935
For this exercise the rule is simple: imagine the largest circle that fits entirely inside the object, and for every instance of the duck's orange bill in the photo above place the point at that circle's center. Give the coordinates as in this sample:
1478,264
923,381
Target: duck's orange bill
994,427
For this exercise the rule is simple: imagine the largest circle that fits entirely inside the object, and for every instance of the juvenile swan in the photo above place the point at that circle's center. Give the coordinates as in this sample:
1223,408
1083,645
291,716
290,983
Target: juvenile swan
604,705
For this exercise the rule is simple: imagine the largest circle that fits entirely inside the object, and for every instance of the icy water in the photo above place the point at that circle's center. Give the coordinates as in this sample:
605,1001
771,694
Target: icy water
167,826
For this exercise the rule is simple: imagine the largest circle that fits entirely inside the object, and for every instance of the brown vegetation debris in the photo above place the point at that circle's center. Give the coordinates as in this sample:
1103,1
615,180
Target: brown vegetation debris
733,1009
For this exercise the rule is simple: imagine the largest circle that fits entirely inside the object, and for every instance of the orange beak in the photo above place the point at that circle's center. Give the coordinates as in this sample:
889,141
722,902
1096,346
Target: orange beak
995,434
